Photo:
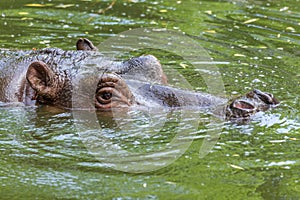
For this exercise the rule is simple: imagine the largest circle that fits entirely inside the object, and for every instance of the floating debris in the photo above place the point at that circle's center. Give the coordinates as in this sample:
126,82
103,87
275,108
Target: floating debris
26,18
183,65
250,21
64,5
239,55
210,31
236,167
208,12
268,58
294,139
284,9
102,11
277,141
45,42
38,5
290,29
163,11
23,13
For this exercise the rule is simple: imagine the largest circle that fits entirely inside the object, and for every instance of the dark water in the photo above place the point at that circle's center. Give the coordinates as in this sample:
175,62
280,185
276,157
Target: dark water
50,153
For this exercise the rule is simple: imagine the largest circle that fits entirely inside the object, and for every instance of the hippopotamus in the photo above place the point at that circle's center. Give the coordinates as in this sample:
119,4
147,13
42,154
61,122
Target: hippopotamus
44,77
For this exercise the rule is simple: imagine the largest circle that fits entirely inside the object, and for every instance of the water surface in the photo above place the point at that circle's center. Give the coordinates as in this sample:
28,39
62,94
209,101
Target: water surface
254,44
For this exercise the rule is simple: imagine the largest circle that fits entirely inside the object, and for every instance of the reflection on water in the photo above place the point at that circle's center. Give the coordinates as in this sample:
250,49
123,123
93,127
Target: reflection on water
142,140
47,146
253,43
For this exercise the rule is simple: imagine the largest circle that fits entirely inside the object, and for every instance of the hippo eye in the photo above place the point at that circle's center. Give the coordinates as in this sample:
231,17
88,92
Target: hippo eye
106,95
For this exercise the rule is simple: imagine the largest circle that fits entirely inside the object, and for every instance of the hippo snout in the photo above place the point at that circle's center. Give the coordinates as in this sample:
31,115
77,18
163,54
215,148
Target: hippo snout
252,103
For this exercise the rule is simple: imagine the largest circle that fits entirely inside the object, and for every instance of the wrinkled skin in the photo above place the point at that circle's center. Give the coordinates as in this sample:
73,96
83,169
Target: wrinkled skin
46,76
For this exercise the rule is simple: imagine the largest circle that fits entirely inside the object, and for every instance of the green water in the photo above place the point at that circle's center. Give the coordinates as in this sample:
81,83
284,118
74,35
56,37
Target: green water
254,44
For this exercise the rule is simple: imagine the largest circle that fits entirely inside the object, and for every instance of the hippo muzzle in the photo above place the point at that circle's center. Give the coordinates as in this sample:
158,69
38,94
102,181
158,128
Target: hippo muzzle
252,103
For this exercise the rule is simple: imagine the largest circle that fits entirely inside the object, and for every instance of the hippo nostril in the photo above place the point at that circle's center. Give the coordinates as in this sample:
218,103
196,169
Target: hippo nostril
240,109
243,105
265,97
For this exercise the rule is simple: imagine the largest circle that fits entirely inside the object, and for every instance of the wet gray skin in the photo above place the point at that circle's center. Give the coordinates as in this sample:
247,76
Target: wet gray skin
45,77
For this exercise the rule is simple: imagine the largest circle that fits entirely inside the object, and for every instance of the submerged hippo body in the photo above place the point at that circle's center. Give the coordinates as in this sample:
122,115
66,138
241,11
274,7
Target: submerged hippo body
47,77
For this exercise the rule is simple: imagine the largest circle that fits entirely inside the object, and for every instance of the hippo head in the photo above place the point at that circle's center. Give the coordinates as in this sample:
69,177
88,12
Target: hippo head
109,90
55,88
251,103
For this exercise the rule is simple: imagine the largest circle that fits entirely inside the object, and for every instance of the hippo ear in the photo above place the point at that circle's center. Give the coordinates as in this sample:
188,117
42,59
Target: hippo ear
85,45
41,78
